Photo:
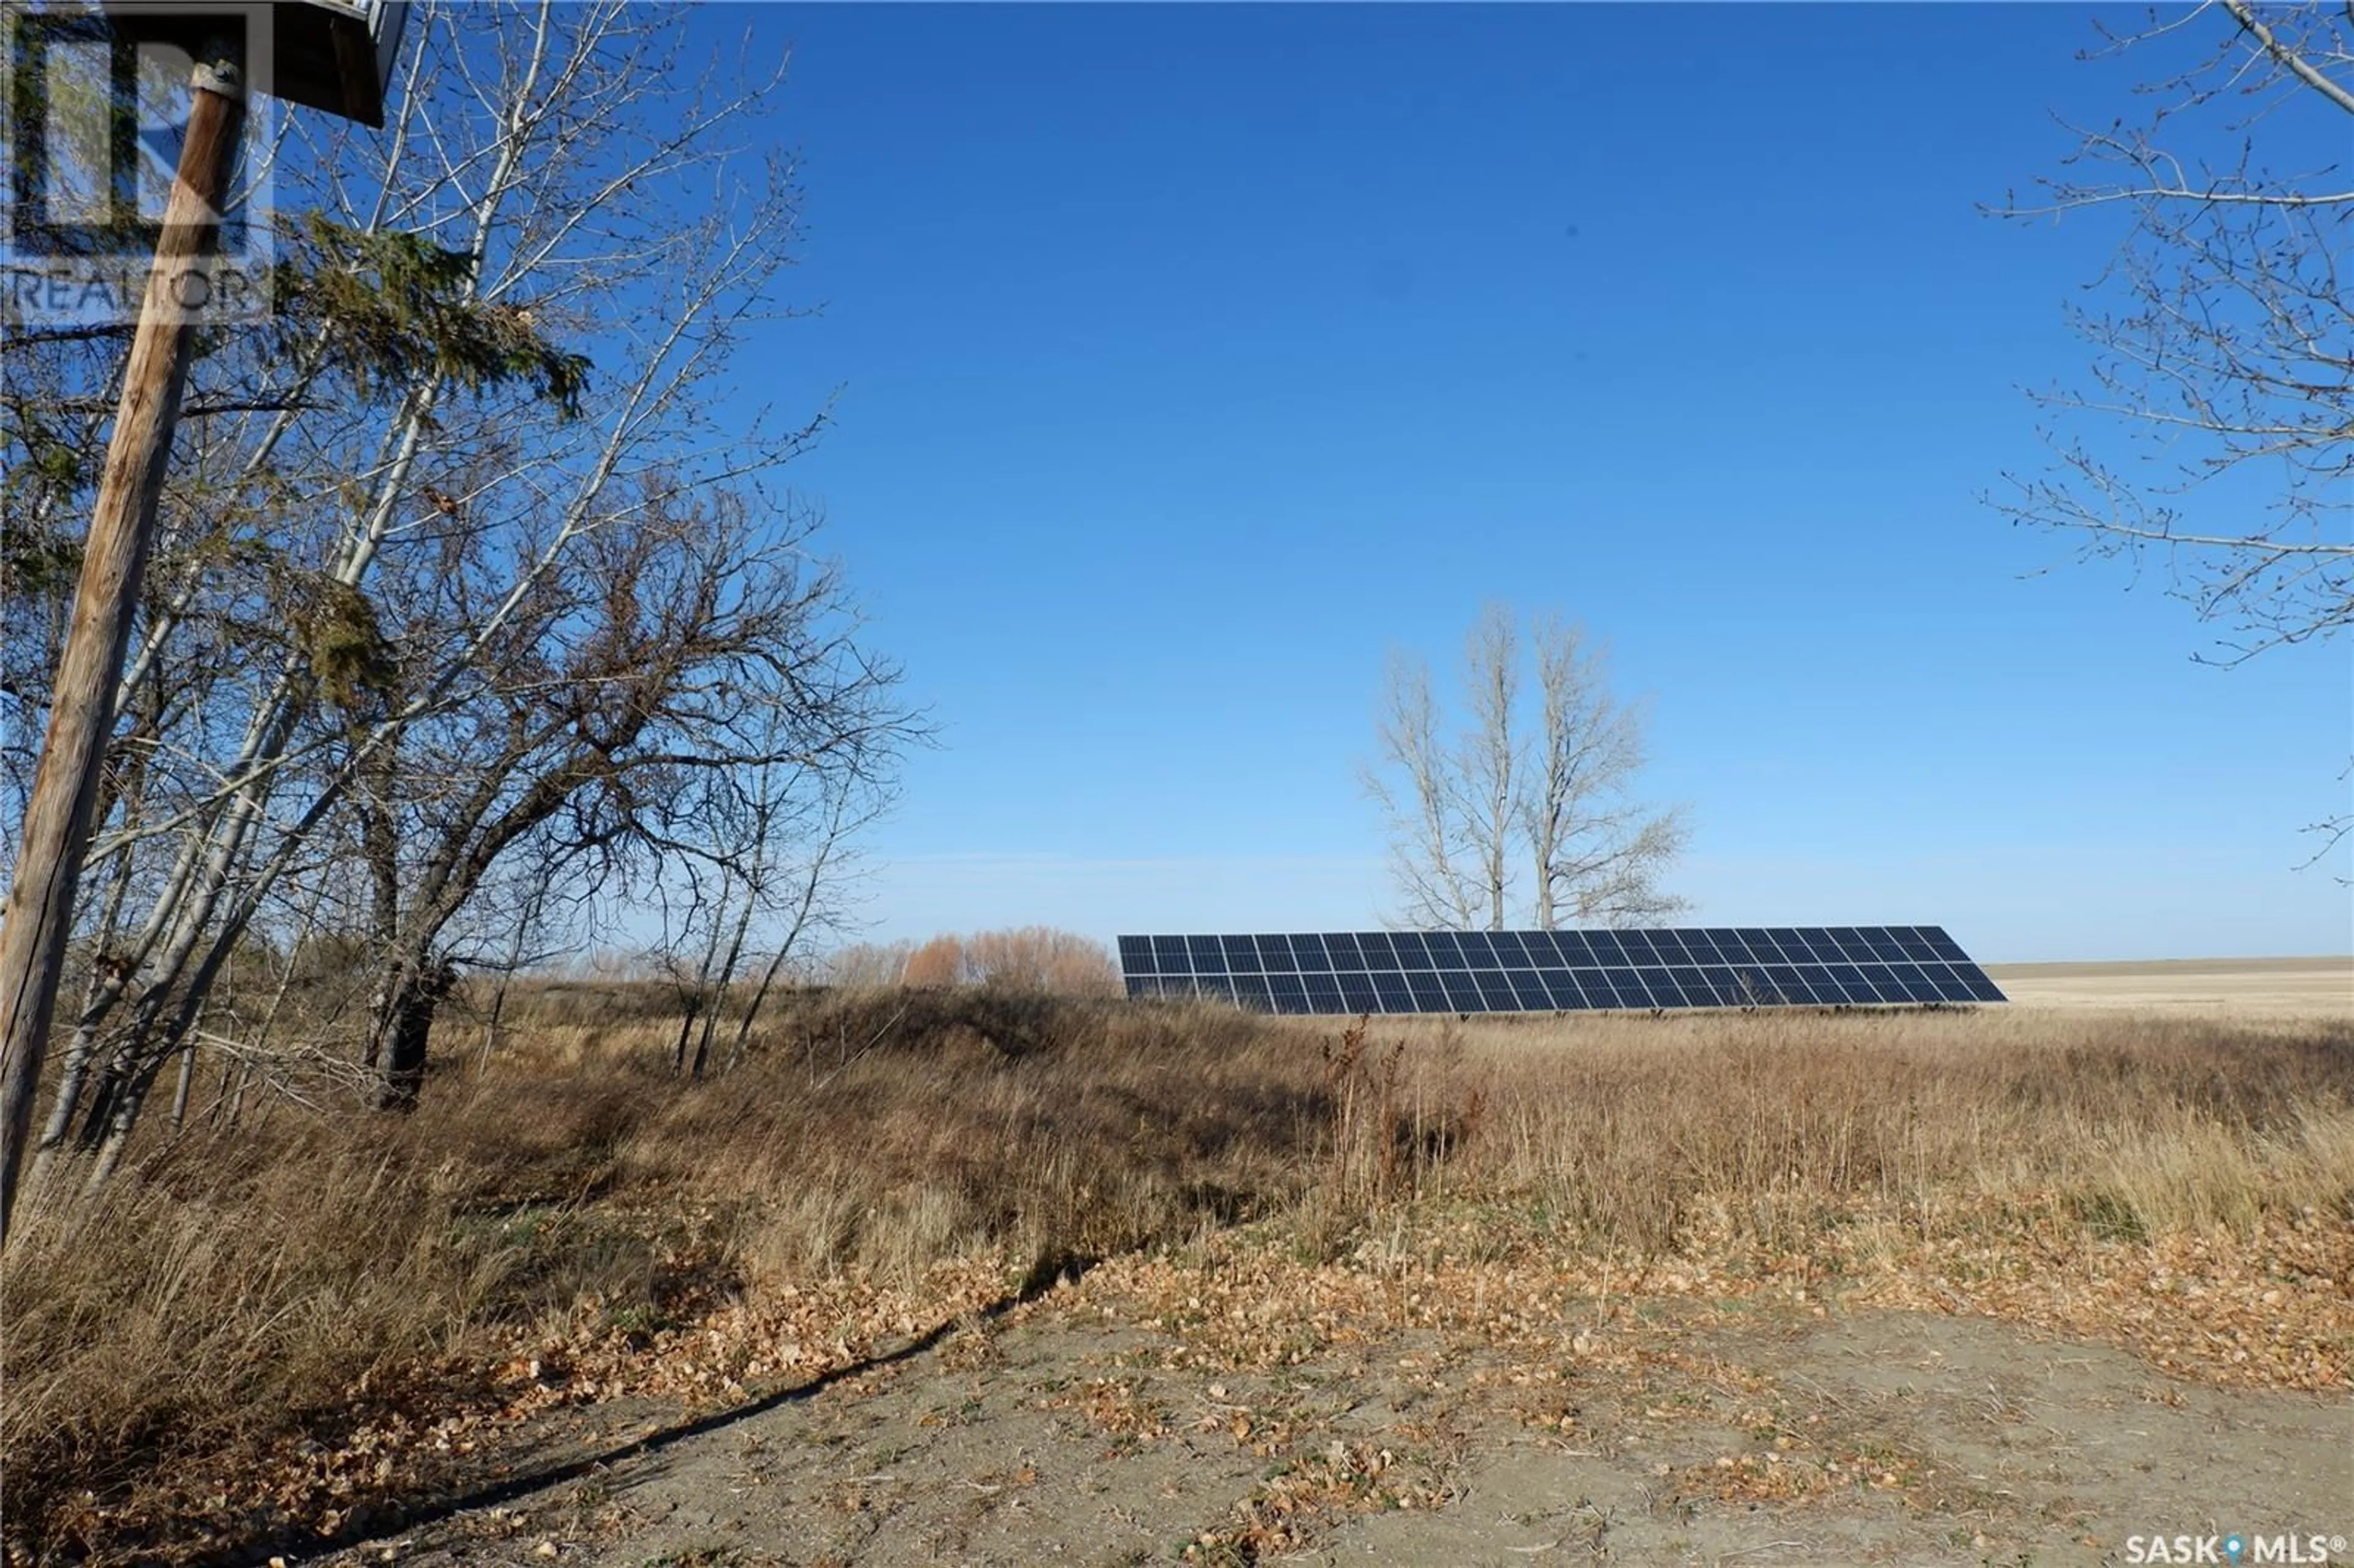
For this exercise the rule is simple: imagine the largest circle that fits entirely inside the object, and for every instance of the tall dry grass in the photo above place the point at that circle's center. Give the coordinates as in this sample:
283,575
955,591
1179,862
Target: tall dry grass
235,1286
1630,1128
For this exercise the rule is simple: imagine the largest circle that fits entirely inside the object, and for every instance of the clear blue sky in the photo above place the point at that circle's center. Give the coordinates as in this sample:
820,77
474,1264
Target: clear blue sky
1190,358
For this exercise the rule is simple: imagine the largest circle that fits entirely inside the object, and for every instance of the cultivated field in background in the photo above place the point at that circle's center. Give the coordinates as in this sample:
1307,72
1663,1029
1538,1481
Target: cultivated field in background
2319,986
227,1346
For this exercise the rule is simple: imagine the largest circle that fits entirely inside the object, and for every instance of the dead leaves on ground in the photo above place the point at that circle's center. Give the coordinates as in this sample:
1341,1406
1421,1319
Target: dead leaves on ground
2273,1309
2271,1306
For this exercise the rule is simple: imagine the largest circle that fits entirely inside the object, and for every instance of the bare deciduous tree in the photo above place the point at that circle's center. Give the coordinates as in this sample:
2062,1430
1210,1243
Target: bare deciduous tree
1596,853
2216,428
1414,783
687,658
760,848
1520,814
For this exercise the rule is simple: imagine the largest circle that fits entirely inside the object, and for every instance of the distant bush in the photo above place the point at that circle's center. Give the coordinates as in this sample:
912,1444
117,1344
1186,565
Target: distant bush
868,964
1034,957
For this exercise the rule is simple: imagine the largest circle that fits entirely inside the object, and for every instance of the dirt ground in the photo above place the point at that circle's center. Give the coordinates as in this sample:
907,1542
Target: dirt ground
2275,987
1096,1425
1676,1432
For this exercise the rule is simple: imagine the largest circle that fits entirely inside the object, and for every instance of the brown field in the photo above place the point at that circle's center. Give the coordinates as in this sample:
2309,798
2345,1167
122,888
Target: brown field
2319,986
980,1276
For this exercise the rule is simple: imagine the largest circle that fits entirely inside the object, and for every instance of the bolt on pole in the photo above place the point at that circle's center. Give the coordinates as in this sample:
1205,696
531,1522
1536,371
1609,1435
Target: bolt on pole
39,918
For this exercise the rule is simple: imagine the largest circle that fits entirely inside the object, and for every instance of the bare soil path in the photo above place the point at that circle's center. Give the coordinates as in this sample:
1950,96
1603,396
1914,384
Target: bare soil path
1086,1429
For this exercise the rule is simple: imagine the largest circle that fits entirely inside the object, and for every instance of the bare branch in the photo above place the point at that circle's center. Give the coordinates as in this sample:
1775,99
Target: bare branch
1548,791
2290,61
2218,426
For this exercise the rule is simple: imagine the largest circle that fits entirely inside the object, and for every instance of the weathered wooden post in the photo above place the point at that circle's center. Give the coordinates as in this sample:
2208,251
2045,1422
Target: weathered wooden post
334,55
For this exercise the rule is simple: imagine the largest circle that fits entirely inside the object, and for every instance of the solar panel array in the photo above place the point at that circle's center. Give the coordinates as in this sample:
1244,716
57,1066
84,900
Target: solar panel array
1561,971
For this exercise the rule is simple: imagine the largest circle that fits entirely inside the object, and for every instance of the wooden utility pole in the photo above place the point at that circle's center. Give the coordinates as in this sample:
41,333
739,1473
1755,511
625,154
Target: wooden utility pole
40,914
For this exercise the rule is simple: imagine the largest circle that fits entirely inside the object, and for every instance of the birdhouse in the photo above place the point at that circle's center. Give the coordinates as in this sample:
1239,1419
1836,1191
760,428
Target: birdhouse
334,54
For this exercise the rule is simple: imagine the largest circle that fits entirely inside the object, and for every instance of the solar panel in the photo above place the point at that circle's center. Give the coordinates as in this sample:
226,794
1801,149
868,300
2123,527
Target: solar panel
1562,971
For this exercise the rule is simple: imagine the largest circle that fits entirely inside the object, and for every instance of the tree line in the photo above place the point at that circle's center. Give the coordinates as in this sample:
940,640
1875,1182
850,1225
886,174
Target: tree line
476,613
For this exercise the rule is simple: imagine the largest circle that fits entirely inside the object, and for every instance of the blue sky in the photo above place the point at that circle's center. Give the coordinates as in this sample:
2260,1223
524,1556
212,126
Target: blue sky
1192,358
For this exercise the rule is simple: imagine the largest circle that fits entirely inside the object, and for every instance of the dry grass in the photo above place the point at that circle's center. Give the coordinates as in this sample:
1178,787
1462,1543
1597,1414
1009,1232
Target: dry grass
1633,1127
239,1289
